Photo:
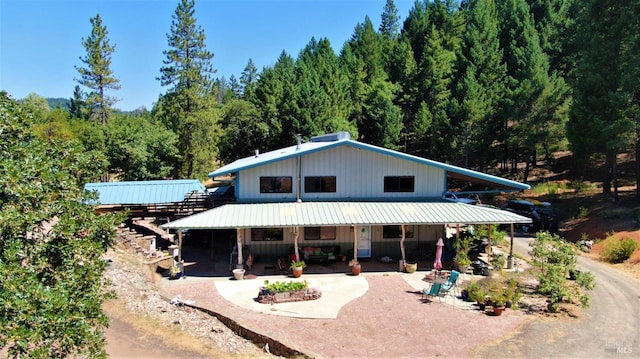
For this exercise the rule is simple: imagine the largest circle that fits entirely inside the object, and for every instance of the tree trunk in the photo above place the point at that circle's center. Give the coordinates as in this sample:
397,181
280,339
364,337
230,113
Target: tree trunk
638,163
608,164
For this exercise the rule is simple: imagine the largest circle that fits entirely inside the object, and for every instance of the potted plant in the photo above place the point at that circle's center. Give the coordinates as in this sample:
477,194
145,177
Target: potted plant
512,293
297,267
472,289
355,267
498,301
461,259
480,297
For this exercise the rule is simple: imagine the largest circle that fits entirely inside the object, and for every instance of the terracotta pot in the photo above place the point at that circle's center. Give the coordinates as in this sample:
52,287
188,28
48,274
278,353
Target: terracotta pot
498,310
356,269
297,272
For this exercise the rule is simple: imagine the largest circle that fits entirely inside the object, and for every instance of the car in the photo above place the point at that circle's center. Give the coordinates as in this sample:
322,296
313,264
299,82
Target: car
542,214
452,196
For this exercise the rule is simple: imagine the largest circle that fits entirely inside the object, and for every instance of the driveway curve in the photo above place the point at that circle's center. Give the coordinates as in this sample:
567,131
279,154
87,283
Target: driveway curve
609,328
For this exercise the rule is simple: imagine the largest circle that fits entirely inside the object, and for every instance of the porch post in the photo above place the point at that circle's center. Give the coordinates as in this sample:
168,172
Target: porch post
295,242
180,245
489,250
510,259
239,244
355,242
402,243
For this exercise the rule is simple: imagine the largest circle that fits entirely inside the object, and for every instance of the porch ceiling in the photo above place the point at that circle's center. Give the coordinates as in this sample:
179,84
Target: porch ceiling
262,215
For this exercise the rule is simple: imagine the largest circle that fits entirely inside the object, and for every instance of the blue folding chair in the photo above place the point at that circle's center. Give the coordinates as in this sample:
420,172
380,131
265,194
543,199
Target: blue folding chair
451,283
433,291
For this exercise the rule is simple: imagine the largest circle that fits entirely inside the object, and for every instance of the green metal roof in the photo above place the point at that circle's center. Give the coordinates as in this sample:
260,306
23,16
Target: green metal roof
144,192
292,214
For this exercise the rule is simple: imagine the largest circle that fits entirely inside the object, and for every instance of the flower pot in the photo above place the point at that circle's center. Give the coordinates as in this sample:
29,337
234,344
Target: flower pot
498,310
356,269
411,267
297,272
238,274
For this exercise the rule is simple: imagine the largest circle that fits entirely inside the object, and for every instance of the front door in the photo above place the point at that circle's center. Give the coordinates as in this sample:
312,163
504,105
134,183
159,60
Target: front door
364,241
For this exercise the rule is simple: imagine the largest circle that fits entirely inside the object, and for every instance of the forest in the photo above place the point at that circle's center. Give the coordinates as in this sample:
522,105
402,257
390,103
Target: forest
482,84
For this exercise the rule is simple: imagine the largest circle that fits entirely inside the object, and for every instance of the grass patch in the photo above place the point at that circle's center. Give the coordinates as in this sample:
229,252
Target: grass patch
550,188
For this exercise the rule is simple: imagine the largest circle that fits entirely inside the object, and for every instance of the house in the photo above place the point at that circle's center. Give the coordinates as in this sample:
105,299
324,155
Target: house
335,192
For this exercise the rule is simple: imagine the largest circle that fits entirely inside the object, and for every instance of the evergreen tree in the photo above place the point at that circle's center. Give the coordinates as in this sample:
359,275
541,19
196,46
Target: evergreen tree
187,71
97,75
533,97
479,82
390,22
603,115
77,106
248,80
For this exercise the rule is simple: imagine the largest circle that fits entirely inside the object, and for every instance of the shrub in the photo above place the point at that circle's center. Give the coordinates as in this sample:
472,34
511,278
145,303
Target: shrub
618,250
290,286
583,212
556,258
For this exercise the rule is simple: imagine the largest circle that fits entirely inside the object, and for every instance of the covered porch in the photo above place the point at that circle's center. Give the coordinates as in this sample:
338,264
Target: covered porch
295,216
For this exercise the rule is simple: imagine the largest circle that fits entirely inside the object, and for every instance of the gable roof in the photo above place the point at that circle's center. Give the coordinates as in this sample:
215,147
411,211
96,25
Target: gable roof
300,214
144,192
321,143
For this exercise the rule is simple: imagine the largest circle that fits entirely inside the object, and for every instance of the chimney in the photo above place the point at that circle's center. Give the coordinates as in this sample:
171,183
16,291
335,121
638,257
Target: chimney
257,152
299,141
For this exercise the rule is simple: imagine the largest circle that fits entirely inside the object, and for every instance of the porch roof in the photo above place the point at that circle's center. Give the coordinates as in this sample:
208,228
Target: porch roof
301,214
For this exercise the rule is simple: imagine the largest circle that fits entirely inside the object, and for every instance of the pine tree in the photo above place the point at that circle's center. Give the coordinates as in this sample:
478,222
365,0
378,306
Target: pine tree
479,81
97,75
187,72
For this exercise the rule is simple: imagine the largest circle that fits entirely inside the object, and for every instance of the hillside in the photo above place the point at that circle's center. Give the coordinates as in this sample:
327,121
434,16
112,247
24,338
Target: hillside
585,213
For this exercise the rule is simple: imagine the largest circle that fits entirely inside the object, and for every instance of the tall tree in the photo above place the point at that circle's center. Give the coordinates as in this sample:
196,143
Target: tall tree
97,75
248,80
479,84
604,111
529,106
51,245
187,72
390,21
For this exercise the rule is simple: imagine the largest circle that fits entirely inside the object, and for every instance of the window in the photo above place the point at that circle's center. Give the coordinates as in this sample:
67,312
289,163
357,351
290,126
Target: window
396,232
275,185
319,233
267,234
320,184
399,184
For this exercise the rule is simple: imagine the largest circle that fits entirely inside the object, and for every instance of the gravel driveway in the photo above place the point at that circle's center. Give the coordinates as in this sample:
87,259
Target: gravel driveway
609,328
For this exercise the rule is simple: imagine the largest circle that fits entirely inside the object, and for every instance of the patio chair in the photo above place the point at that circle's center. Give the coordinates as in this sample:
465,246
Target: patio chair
433,291
451,283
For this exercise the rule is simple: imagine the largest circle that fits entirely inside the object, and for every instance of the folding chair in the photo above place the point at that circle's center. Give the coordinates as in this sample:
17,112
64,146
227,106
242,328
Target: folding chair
451,283
433,291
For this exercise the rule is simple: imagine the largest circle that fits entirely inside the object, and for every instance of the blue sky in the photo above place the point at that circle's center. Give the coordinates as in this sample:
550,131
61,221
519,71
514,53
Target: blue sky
41,41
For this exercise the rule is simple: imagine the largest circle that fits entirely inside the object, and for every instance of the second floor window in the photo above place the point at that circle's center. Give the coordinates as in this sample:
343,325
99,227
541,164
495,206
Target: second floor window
399,184
320,184
275,184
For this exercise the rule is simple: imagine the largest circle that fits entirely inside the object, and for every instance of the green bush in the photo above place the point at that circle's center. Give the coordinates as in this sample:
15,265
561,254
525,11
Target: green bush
618,250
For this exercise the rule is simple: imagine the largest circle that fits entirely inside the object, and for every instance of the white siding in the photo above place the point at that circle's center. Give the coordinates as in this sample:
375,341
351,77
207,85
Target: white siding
249,184
359,176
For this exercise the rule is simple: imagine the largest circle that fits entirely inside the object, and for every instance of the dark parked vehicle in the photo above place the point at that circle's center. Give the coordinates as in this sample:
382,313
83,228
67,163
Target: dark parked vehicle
542,214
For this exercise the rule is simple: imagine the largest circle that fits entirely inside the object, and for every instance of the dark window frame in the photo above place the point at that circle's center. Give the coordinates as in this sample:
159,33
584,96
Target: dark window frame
394,231
310,233
267,234
396,184
320,184
276,184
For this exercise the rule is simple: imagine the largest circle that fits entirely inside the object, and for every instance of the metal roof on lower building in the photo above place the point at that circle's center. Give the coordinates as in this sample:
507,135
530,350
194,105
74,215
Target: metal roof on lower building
144,192
300,214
